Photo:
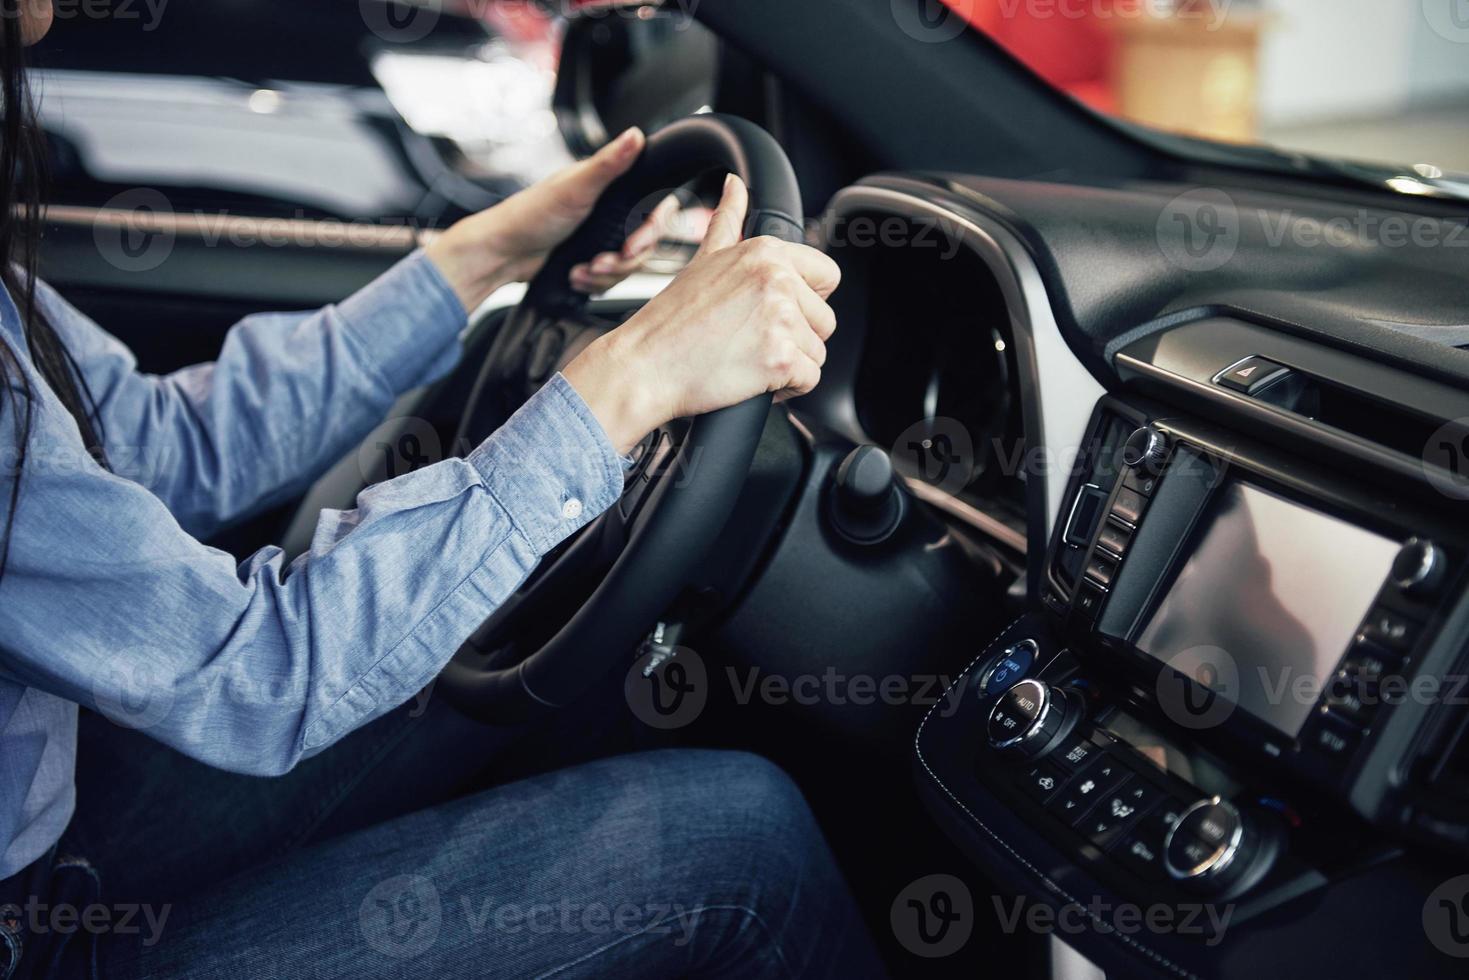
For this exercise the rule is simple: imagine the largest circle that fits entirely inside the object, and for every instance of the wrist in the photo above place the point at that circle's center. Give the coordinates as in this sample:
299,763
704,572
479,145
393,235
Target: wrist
609,379
469,263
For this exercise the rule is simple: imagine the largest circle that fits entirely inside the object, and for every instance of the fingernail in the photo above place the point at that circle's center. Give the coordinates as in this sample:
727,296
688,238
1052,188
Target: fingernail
729,180
627,138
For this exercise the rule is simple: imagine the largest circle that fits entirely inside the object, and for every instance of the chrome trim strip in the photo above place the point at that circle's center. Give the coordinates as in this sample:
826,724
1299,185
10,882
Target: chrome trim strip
966,512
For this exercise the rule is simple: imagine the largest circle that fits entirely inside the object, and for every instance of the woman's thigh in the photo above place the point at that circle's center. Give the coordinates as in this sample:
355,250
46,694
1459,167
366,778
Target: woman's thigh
675,863
158,825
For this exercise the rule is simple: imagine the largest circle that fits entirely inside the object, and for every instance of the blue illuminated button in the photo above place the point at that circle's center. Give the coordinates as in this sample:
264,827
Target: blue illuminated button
1012,667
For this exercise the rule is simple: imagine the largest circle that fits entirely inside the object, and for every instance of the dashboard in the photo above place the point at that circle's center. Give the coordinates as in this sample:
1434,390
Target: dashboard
1231,693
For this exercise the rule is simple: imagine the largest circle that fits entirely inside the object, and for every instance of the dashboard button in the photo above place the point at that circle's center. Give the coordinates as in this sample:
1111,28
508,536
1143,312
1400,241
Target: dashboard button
1109,818
1333,738
1101,570
1076,752
1129,505
1389,629
1251,375
1013,664
1143,852
1140,481
1371,662
1042,782
1090,785
1115,538
1088,602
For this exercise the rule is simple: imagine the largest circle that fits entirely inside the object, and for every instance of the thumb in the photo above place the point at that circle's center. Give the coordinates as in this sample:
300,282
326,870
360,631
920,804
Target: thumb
584,182
727,226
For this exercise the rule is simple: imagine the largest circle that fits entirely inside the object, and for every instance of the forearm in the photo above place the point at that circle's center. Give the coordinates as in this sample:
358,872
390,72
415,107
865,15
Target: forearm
252,668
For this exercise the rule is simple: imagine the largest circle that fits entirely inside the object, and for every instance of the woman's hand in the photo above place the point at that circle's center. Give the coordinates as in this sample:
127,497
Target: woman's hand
743,319
510,241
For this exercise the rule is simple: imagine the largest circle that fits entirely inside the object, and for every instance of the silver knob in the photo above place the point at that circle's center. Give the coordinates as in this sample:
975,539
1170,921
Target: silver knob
1420,567
1030,718
1147,450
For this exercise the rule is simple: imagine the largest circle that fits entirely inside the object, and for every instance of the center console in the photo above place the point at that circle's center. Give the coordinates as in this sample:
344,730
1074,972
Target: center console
1244,684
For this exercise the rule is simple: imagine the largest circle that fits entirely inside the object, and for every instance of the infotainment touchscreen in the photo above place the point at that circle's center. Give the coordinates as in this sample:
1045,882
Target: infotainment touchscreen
1267,602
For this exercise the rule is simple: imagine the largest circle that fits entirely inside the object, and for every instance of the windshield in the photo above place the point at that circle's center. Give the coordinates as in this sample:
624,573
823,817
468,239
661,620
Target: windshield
1375,88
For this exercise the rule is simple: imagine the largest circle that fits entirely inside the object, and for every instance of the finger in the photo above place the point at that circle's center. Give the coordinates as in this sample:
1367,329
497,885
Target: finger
809,344
649,233
820,272
727,226
584,181
804,379
821,318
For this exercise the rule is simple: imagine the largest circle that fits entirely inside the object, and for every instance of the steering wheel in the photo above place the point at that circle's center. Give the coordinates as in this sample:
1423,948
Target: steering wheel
620,572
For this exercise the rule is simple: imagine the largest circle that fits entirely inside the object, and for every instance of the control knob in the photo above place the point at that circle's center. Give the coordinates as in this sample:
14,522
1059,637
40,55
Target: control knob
1147,450
1216,848
1419,567
1032,718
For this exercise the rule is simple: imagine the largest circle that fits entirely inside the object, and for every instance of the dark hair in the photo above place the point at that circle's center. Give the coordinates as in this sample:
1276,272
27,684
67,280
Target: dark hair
22,160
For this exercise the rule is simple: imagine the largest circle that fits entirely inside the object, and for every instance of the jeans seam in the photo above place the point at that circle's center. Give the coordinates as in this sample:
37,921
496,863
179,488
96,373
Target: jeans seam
699,910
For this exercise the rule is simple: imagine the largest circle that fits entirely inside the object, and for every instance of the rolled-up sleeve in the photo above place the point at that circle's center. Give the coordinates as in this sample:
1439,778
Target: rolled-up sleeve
109,602
288,395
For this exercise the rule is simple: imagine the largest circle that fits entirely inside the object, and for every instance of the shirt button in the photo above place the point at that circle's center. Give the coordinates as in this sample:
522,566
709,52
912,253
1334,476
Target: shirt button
571,510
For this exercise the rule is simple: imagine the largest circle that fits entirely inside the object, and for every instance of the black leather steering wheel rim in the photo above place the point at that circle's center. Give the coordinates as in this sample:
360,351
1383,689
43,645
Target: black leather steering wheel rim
686,515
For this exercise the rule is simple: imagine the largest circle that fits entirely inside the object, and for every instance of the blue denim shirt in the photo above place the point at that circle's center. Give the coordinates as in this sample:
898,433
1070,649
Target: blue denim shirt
111,601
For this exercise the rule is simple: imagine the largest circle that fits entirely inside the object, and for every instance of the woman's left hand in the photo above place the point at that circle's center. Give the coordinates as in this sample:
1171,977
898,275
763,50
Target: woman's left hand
510,241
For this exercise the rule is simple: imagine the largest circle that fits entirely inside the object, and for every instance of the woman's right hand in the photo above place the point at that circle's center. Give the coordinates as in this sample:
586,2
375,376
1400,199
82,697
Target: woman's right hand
742,319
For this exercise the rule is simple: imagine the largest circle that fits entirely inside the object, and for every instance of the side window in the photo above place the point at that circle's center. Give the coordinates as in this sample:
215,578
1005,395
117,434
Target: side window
1384,83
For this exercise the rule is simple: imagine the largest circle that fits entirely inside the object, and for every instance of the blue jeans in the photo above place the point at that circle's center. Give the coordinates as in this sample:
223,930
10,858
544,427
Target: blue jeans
653,864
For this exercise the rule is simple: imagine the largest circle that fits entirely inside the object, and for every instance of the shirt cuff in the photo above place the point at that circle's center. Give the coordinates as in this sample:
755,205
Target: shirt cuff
551,467
406,320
